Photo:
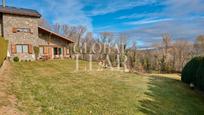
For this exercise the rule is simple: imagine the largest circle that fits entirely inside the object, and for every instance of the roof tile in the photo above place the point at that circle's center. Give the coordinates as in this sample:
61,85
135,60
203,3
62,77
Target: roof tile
19,11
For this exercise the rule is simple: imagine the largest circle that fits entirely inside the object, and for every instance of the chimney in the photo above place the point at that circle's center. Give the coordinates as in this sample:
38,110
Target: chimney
3,3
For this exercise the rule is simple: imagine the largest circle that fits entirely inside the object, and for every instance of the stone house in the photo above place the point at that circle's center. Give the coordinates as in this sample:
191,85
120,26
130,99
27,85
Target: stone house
21,28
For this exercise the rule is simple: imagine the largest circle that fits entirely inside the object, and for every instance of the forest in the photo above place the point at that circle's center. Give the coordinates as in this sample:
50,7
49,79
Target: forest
167,56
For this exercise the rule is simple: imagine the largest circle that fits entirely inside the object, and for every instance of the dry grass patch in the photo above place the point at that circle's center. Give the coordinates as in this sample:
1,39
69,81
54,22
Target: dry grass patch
54,87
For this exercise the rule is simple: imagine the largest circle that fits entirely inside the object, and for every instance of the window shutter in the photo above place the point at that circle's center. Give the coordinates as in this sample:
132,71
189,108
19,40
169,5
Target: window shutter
45,50
30,49
13,48
65,51
14,30
50,55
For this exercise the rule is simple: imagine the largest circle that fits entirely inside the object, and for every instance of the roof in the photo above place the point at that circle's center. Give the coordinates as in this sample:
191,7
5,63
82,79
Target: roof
42,29
19,11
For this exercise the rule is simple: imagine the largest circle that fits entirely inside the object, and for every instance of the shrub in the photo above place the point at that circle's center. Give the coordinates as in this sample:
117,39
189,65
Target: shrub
16,59
188,74
3,49
200,76
193,72
36,51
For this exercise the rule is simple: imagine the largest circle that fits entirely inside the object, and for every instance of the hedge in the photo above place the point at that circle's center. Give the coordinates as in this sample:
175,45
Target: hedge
3,50
200,76
193,72
188,74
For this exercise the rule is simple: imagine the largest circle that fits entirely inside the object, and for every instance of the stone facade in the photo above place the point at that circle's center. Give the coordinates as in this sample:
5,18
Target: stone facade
22,31
13,21
49,41
46,39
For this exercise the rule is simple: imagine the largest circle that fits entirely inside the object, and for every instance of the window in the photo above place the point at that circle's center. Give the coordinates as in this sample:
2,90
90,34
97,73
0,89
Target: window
25,30
55,51
58,51
22,48
18,48
41,50
25,48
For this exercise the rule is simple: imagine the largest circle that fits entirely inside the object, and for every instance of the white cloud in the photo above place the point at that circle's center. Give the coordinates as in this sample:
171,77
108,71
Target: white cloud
108,27
114,6
173,9
187,29
180,8
132,16
179,18
69,12
148,21
183,20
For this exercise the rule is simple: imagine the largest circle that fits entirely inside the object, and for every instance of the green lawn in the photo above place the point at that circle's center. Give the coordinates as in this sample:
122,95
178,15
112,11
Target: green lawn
54,87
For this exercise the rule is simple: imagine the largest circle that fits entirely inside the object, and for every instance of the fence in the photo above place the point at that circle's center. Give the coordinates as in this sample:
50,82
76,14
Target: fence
3,50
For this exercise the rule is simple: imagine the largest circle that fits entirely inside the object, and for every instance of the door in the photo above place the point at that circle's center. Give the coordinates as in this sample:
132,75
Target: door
57,52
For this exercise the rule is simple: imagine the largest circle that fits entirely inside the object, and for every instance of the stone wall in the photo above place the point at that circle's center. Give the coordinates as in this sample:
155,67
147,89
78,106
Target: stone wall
51,42
14,21
34,38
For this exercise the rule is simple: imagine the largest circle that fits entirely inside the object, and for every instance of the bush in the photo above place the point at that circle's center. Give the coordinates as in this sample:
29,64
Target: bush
16,59
200,76
188,74
3,49
36,51
193,72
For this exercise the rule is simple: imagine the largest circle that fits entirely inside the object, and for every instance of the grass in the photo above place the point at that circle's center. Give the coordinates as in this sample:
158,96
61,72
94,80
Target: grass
54,87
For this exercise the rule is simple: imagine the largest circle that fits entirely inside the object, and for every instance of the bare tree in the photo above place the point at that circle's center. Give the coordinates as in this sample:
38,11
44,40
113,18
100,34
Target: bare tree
183,51
69,31
199,45
166,44
123,40
57,28
106,37
44,23
80,30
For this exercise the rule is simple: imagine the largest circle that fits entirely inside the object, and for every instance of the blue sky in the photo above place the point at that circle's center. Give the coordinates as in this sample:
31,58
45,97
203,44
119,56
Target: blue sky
144,21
